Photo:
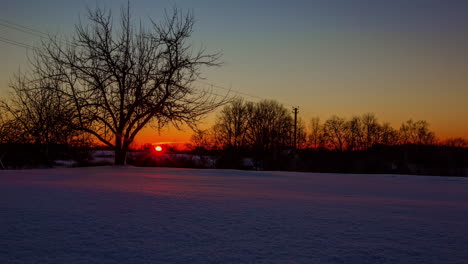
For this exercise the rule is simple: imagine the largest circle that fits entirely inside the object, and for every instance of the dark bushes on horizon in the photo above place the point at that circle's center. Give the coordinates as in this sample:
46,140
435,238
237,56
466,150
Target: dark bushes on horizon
246,135
264,132
28,155
399,159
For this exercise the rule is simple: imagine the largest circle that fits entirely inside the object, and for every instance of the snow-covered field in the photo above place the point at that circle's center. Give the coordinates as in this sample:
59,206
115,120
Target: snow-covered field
159,215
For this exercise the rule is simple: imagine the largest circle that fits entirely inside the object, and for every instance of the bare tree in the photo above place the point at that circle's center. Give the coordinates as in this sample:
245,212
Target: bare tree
388,135
202,140
5,127
121,79
231,126
371,130
270,126
301,134
36,114
265,126
315,138
354,133
335,133
416,133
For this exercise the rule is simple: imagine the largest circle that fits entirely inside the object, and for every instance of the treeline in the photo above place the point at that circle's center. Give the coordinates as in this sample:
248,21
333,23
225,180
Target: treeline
37,126
263,133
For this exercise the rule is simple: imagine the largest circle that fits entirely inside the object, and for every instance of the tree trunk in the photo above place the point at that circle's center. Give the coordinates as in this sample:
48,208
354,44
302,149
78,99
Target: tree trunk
120,157
120,152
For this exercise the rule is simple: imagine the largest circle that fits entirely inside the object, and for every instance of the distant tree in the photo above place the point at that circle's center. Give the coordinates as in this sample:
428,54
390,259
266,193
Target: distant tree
416,133
5,128
457,142
335,133
202,140
270,126
230,129
371,130
262,129
301,136
354,134
315,138
36,114
122,79
388,135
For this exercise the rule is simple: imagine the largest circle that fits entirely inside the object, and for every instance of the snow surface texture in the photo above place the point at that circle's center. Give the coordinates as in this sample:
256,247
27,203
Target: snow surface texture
159,215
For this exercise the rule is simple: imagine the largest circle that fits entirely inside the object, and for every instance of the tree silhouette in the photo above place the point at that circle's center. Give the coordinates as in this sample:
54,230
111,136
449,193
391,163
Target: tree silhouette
301,134
202,140
270,126
335,133
371,130
230,129
457,142
37,114
416,133
354,136
389,136
120,79
315,137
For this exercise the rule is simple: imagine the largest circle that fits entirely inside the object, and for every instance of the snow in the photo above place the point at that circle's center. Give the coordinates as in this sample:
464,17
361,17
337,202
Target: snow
65,163
102,157
162,215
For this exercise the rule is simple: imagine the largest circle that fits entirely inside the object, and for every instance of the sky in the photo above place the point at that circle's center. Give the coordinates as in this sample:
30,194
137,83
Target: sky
397,59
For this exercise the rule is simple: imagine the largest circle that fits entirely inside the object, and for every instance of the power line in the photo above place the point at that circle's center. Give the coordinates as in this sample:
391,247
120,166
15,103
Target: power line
41,34
22,28
26,46
235,91
29,30
29,47
16,43
38,33
231,90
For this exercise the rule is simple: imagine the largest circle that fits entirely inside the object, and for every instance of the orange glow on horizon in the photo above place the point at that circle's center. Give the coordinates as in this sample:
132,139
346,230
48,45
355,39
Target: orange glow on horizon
179,139
165,137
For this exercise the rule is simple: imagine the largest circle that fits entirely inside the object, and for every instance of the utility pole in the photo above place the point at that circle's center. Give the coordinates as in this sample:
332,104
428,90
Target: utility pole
295,111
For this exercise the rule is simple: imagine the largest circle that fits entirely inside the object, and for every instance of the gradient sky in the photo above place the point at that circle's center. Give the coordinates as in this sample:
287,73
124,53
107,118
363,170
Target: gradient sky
399,59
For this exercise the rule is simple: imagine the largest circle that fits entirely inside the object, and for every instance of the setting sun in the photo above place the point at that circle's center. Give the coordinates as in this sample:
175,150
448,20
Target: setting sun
158,148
